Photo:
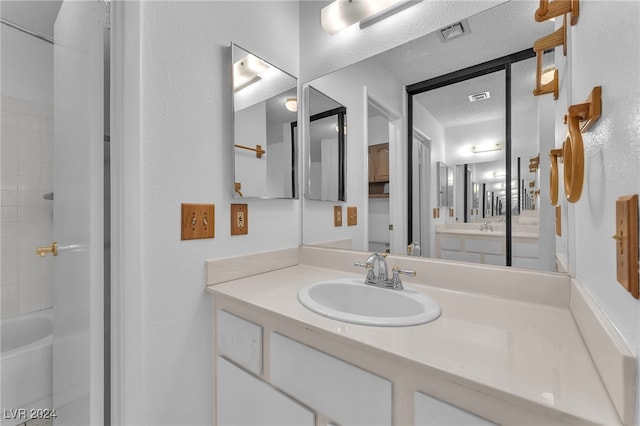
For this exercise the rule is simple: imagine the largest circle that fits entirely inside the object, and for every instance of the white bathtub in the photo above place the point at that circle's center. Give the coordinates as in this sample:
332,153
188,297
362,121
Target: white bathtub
26,365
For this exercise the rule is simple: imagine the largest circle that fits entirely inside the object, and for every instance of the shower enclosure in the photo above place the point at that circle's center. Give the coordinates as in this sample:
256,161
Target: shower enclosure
53,136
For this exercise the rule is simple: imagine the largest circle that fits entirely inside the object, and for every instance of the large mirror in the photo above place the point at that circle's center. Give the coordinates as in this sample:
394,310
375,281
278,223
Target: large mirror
327,139
462,167
264,151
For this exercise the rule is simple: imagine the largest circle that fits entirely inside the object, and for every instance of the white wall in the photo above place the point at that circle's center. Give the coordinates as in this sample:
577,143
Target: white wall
178,151
598,57
26,171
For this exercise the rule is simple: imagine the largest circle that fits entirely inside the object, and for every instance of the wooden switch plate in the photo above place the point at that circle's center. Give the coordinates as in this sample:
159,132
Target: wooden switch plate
626,237
352,216
239,219
337,215
197,221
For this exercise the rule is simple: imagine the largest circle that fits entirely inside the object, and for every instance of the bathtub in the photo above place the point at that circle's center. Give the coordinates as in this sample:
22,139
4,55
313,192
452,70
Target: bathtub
26,366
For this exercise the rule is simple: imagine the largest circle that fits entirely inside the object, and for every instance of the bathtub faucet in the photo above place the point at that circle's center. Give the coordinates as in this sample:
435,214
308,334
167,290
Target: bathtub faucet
377,274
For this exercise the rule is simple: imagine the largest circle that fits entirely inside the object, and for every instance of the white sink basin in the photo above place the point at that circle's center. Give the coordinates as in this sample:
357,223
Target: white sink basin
353,301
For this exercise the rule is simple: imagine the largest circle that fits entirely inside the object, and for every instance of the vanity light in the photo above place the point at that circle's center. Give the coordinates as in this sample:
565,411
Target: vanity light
499,174
486,147
291,104
247,71
343,13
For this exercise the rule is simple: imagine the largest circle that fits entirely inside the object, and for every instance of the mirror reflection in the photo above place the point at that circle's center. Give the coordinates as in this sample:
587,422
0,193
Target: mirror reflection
265,106
327,139
460,169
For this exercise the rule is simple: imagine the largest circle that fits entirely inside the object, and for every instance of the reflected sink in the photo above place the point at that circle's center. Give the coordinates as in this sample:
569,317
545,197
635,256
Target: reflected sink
351,300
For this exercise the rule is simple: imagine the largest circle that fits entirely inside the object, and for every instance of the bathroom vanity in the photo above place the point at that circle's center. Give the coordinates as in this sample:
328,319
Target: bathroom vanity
508,348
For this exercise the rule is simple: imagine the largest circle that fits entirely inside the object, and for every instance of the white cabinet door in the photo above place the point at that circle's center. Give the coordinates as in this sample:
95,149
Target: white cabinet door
345,393
243,399
433,412
240,341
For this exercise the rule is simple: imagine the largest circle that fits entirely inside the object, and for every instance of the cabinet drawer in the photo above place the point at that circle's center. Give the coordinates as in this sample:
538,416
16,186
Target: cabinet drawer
345,393
240,341
430,411
246,400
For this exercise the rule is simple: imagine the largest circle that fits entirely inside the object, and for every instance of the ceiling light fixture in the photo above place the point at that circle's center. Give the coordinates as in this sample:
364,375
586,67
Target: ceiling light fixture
479,96
343,13
247,71
291,104
499,174
487,147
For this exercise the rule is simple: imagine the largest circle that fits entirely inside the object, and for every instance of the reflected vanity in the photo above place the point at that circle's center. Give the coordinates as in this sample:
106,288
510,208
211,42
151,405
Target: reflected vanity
264,154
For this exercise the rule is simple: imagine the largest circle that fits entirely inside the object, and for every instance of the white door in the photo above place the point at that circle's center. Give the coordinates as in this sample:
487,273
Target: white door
424,195
78,359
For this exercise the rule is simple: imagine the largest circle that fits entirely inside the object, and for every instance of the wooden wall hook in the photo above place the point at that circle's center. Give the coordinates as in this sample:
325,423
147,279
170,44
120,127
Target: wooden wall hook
588,112
551,9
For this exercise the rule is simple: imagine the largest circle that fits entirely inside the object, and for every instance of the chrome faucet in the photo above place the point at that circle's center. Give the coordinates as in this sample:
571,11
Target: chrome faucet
486,227
377,274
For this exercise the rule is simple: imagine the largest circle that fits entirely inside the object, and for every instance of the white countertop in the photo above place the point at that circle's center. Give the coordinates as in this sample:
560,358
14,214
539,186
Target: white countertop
520,352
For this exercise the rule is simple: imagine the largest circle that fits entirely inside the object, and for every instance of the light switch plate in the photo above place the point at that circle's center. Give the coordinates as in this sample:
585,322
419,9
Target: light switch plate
337,215
239,219
197,221
626,237
352,216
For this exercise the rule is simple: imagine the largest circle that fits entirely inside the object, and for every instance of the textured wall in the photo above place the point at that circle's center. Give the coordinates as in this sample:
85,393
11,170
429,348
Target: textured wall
185,109
597,56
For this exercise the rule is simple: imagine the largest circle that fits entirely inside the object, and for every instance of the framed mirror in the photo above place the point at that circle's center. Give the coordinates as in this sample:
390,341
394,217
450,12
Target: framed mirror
264,145
327,138
436,169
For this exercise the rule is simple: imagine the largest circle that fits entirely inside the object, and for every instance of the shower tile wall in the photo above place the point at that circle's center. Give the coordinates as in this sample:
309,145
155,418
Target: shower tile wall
27,218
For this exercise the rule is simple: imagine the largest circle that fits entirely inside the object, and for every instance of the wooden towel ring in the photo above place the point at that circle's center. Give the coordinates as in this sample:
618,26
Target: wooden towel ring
573,159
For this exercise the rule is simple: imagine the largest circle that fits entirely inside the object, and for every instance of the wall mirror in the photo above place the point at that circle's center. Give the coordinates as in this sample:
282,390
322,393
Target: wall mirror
264,146
327,139
476,146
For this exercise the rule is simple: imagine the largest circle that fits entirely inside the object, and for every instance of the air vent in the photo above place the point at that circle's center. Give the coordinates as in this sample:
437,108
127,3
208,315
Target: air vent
479,96
454,30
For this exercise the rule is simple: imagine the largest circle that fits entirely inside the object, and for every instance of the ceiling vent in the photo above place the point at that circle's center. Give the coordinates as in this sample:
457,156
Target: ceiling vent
454,30
479,96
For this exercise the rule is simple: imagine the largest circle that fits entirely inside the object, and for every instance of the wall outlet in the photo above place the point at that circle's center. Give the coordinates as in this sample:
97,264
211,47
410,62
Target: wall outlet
239,219
337,215
626,237
197,221
352,216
